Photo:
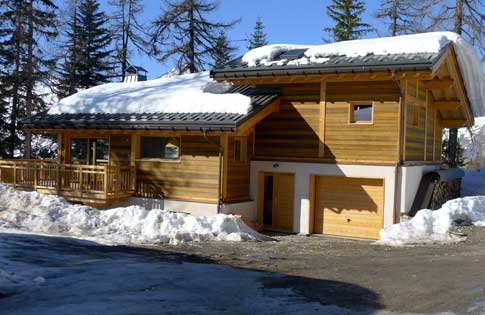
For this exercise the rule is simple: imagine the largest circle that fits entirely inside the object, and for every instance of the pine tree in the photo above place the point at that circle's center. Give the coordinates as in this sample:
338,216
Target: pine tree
68,72
402,16
95,41
127,30
347,15
183,31
258,37
24,22
222,51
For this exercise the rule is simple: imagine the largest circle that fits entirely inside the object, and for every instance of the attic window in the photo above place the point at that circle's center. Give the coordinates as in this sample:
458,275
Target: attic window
361,113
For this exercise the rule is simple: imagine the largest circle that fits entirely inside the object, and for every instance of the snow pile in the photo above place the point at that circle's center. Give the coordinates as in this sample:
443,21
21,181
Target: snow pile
34,212
430,226
188,93
473,184
470,64
10,283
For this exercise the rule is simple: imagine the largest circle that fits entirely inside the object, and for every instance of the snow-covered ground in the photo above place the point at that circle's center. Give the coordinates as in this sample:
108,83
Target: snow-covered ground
186,93
38,213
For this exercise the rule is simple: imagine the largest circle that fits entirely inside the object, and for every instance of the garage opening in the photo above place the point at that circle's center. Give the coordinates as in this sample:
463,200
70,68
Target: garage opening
346,206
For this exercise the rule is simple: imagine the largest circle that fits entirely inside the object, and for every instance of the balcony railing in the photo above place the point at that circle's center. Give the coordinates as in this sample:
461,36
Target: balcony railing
84,183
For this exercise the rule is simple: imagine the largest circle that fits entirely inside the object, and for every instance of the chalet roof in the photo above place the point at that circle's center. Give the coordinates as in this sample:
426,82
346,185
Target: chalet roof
283,64
260,98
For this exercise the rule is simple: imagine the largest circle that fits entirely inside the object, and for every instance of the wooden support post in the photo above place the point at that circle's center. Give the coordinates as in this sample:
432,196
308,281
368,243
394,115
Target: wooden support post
321,125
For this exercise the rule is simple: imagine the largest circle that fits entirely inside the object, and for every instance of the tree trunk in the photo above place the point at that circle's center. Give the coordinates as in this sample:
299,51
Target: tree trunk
30,73
453,134
191,48
394,17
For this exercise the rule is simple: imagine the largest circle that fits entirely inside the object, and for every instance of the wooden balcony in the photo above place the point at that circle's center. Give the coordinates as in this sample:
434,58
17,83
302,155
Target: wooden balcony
88,184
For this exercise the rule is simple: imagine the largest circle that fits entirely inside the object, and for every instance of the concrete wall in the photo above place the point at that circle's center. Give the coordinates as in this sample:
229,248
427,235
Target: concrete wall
409,184
303,171
194,208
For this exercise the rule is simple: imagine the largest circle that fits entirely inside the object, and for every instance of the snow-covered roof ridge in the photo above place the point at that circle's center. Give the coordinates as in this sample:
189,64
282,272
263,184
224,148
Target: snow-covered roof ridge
434,43
187,93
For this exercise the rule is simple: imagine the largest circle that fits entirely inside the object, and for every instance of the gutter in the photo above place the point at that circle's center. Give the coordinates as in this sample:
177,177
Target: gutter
399,164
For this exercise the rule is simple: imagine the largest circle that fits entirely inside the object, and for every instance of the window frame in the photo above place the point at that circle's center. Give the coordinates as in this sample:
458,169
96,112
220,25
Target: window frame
243,150
175,160
352,106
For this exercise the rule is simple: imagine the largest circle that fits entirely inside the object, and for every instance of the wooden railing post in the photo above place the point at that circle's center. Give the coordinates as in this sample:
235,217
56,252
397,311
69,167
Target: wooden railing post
106,180
35,176
14,174
58,178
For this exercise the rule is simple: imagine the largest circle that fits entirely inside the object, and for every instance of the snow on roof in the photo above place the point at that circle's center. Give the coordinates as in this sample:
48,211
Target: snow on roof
188,93
470,64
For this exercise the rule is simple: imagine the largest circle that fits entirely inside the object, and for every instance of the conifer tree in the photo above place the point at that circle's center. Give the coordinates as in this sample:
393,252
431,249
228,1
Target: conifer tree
68,70
347,15
222,51
127,30
184,32
23,23
95,41
258,37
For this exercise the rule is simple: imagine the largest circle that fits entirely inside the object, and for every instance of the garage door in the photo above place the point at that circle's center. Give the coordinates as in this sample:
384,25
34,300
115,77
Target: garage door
347,206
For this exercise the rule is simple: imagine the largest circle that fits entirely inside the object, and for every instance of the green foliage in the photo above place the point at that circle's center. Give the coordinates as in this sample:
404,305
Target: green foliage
222,51
347,15
258,37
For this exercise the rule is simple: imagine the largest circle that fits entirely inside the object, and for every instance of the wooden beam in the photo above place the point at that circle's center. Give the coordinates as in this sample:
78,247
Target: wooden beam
321,121
246,127
453,123
446,105
438,84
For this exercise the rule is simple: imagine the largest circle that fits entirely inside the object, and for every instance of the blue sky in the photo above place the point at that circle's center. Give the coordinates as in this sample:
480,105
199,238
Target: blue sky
286,21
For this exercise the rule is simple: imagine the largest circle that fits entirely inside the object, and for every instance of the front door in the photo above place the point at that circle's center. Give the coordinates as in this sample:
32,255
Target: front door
277,201
90,151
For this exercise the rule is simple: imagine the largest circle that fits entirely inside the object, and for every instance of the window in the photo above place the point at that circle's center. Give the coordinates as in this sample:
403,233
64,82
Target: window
361,113
90,151
160,148
240,150
79,151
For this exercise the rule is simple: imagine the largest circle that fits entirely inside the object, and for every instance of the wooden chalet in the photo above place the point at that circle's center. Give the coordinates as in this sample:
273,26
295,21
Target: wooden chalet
336,148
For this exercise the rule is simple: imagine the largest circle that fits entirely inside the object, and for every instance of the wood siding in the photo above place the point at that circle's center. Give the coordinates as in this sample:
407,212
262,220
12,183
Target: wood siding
238,172
194,177
293,131
119,149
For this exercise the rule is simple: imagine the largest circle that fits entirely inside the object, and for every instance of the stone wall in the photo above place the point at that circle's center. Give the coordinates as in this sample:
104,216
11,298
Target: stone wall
445,191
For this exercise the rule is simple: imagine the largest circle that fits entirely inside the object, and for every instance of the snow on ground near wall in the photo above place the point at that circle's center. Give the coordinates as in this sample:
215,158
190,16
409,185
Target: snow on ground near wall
430,226
34,212
188,93
470,64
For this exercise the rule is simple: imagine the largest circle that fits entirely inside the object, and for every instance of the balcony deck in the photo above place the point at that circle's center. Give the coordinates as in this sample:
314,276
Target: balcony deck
87,184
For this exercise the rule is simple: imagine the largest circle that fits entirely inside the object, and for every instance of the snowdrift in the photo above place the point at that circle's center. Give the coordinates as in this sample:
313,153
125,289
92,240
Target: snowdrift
430,226
38,213
470,64
188,93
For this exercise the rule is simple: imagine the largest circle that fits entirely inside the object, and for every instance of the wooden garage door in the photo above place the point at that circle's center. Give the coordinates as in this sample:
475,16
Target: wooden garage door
347,206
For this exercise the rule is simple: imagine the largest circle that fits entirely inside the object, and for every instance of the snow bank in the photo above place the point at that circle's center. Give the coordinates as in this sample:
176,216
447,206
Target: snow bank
188,93
34,212
430,226
470,64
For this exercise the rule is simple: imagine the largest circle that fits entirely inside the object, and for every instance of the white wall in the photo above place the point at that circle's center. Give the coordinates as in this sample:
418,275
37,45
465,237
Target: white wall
409,184
194,208
303,171
246,209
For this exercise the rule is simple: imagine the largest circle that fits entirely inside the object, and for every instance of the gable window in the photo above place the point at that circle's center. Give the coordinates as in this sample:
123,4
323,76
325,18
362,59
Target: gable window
165,148
240,149
361,113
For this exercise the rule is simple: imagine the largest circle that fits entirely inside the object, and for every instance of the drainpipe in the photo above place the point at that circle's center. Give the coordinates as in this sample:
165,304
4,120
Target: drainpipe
219,182
400,150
